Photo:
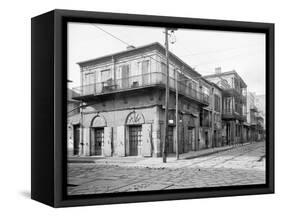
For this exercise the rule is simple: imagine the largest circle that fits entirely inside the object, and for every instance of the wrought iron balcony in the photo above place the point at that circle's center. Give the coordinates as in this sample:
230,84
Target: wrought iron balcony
231,115
138,82
254,108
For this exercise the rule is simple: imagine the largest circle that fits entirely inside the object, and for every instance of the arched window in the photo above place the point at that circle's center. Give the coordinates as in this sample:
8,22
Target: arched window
134,118
98,121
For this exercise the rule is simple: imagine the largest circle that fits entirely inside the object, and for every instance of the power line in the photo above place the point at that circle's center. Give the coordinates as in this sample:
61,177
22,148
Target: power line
112,35
124,42
204,63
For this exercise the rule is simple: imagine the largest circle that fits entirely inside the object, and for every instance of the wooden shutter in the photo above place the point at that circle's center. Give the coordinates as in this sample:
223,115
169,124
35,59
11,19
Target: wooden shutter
146,140
120,141
86,141
107,149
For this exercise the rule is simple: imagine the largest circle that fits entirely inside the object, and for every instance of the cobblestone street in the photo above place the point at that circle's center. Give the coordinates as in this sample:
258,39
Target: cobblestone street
242,165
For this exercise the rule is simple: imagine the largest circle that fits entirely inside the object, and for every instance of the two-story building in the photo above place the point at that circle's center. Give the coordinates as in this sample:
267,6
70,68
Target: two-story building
234,102
210,117
260,127
123,103
252,117
73,117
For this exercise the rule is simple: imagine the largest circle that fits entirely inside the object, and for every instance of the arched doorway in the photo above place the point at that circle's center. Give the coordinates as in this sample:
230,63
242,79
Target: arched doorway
134,136
97,135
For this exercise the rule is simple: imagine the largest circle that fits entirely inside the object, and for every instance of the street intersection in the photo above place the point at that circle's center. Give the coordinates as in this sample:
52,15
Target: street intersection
241,165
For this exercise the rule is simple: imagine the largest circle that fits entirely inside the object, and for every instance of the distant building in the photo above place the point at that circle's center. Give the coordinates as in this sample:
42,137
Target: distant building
210,118
260,103
252,112
123,96
234,101
260,127
73,119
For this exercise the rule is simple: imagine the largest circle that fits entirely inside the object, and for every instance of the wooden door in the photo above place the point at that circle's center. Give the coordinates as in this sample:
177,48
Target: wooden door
134,139
191,139
76,139
98,141
170,140
206,139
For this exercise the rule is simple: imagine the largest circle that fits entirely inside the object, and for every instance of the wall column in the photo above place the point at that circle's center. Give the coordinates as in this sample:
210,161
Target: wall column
156,134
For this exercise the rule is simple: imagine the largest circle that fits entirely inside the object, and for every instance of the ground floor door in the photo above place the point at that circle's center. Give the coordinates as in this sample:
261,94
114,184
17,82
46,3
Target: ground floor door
170,139
76,139
215,140
97,138
227,134
191,144
206,139
135,139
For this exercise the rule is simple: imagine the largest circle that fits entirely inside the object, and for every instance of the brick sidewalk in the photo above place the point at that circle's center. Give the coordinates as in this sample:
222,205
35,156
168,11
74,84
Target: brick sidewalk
149,161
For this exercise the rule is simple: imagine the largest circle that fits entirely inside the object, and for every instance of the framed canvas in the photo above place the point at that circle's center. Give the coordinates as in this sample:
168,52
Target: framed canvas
134,108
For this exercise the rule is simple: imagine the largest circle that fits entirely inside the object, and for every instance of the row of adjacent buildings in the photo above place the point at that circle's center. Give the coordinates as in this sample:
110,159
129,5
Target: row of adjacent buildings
119,108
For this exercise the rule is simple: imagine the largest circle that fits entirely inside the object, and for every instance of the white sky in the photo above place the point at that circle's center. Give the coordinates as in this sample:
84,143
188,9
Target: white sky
202,49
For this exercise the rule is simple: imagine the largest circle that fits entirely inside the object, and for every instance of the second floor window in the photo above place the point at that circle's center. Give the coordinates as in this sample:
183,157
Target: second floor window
106,75
217,103
163,67
227,105
143,67
90,78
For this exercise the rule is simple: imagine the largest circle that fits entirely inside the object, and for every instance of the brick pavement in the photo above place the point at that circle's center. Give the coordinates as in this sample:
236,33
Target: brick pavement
243,165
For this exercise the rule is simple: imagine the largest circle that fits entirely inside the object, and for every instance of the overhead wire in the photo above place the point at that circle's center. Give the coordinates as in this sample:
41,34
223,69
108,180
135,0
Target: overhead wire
163,62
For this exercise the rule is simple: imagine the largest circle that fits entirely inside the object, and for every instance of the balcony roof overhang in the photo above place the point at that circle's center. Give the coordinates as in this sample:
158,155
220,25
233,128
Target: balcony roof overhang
134,90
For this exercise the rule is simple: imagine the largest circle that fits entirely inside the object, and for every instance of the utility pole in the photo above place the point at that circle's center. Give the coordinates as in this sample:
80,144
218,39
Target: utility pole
177,115
165,143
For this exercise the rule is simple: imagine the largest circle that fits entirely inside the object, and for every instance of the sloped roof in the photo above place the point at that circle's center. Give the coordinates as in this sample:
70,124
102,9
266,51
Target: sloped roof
144,48
227,73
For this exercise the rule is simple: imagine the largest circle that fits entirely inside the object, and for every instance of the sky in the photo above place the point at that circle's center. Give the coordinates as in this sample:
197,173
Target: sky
203,50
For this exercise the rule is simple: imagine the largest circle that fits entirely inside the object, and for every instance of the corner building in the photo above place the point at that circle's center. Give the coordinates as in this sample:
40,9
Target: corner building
123,104
234,105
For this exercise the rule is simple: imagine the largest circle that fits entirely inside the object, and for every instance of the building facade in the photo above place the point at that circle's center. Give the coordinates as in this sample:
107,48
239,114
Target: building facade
122,98
252,117
73,117
210,131
234,102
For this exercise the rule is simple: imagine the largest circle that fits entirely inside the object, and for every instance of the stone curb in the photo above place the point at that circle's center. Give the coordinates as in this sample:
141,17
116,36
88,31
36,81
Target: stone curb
138,163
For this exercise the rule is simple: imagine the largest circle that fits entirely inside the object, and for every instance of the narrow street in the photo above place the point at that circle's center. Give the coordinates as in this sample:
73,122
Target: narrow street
242,165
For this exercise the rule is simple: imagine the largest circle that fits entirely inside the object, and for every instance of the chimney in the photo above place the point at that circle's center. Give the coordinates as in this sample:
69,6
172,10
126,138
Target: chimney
131,47
218,70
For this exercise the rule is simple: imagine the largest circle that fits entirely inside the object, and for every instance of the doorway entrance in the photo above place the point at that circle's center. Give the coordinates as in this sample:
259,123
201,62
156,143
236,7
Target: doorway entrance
191,139
76,139
170,139
97,140
135,138
206,139
215,139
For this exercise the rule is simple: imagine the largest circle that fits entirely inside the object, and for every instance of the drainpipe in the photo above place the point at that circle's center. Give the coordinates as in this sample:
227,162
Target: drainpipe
81,152
212,118
113,69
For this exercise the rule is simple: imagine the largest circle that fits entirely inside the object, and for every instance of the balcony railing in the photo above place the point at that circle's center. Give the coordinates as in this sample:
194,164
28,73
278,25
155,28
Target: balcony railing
254,108
139,81
233,115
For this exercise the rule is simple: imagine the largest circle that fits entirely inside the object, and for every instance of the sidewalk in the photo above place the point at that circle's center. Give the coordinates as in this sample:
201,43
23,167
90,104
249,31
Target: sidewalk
136,161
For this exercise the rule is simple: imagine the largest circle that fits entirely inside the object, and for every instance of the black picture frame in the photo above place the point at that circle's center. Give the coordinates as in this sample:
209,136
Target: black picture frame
49,90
